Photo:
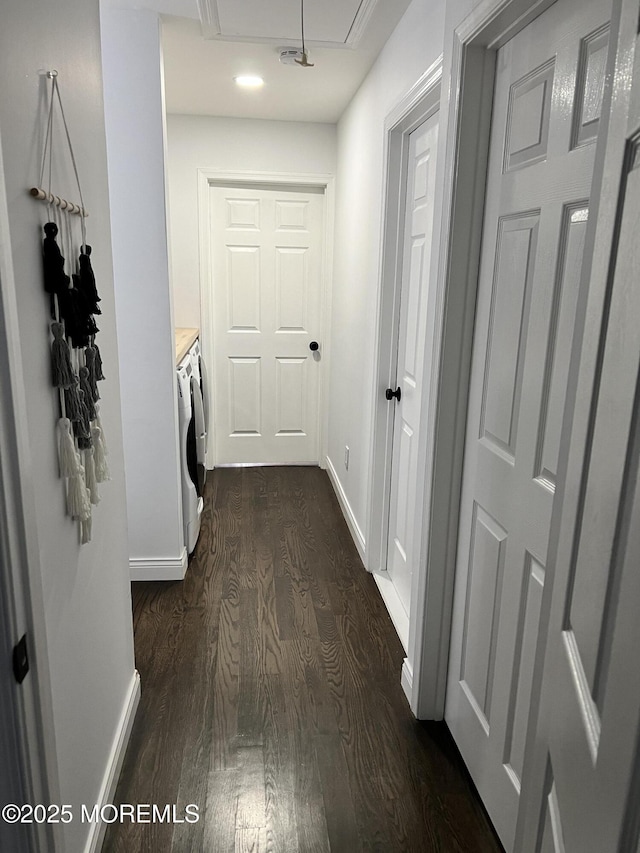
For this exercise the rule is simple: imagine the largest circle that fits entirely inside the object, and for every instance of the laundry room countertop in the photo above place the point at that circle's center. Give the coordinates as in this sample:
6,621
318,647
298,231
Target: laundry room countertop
184,341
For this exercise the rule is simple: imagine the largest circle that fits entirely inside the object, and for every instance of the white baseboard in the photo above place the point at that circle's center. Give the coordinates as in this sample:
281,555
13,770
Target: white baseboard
114,764
159,568
394,607
406,680
350,518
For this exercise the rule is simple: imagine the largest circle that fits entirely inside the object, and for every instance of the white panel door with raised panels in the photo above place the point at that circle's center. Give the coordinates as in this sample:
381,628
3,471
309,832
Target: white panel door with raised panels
587,744
547,101
418,228
266,310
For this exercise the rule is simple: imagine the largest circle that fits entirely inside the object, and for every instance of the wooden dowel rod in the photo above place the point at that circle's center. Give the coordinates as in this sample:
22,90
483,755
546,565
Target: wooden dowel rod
40,194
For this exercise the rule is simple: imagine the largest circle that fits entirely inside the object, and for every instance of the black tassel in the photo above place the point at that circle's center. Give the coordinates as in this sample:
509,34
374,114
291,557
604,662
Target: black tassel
55,278
91,327
88,281
99,374
75,319
90,360
85,387
76,313
62,371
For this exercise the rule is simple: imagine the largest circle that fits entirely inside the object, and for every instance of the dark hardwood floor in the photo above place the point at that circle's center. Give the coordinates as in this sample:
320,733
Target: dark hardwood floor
271,694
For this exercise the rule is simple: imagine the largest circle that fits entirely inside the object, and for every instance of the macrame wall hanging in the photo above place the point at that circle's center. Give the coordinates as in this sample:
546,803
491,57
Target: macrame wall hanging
76,364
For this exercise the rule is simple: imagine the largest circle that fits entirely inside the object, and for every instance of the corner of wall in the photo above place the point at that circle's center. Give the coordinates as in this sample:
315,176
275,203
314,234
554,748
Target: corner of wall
345,506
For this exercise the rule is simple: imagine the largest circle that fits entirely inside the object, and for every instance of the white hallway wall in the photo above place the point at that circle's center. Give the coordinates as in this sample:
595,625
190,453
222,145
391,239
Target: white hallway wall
86,589
134,110
230,145
412,48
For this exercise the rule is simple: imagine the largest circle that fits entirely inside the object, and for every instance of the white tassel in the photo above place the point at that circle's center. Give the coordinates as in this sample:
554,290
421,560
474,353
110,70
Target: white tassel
90,473
67,453
85,530
98,423
78,504
101,466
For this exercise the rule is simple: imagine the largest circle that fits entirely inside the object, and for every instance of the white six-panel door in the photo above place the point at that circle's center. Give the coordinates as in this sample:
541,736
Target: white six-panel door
266,310
547,101
418,228
587,743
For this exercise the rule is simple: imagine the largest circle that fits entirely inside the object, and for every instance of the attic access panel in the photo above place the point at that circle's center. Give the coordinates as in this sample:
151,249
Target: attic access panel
328,23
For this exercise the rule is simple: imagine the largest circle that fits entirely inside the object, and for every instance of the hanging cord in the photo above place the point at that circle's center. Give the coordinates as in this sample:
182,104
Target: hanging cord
51,208
69,243
56,89
304,61
48,147
304,50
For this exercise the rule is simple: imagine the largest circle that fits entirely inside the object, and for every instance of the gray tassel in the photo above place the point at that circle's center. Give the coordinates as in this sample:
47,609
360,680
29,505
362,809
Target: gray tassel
90,360
99,373
72,402
85,386
82,426
61,369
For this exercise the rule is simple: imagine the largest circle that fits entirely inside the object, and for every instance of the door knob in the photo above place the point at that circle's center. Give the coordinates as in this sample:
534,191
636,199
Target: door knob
390,393
314,345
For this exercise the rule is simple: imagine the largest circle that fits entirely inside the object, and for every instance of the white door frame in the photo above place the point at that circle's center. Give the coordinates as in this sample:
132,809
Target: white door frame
420,103
208,178
20,567
466,147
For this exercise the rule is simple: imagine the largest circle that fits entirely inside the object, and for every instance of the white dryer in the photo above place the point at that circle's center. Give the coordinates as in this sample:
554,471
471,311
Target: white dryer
192,501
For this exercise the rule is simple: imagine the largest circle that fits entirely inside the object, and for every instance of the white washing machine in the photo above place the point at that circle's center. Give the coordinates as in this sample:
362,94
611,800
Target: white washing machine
200,376
189,412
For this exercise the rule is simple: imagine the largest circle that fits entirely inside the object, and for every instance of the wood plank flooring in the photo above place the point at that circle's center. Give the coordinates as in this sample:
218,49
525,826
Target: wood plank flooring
271,694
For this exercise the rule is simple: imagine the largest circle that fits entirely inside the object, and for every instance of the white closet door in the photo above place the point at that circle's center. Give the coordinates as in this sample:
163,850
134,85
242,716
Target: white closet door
547,101
587,744
418,228
266,306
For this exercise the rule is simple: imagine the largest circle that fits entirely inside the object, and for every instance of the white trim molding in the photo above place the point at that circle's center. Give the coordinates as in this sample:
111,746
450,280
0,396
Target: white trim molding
208,178
345,506
159,568
359,25
209,18
394,606
423,86
406,679
114,764
21,568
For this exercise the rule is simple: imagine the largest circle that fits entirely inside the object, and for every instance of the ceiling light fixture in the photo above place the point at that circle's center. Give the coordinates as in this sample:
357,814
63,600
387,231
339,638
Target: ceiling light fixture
249,81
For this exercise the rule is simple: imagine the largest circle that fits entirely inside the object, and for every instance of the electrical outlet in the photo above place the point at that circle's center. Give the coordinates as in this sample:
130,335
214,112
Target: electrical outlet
346,457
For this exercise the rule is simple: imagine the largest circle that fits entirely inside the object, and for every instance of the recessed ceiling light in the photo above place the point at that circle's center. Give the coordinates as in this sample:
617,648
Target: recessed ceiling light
249,81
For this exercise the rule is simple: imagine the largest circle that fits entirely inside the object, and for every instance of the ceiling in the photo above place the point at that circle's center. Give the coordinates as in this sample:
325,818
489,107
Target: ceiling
330,23
206,43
